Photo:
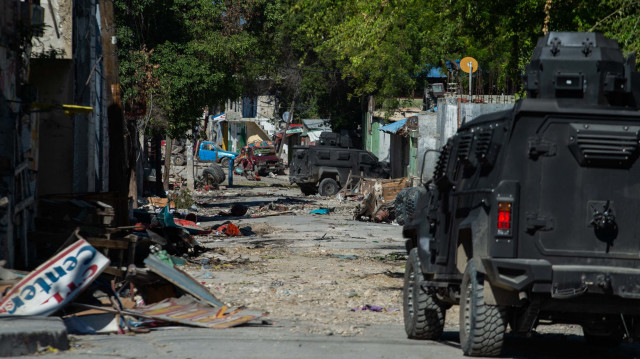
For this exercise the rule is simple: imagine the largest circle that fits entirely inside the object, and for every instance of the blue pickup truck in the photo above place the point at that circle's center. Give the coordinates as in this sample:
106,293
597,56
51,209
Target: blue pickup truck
211,152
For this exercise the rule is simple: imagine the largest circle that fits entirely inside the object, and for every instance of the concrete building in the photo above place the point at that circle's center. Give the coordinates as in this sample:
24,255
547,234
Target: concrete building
19,23
411,143
248,120
66,68
54,137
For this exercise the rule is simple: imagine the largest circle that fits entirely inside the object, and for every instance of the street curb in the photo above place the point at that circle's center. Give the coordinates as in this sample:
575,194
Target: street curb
27,335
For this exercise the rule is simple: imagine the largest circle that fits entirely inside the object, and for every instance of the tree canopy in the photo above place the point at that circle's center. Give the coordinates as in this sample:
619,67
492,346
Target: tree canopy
327,56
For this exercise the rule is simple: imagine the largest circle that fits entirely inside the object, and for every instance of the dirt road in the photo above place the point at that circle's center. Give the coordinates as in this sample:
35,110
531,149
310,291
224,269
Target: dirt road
327,273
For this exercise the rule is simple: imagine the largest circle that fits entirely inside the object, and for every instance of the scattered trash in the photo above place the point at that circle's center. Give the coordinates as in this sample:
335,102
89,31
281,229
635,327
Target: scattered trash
373,308
187,311
221,258
160,202
98,322
229,229
320,211
344,256
162,255
206,275
322,238
237,210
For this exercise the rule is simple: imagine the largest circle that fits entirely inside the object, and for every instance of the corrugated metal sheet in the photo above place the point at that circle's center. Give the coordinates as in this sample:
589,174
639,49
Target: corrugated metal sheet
393,127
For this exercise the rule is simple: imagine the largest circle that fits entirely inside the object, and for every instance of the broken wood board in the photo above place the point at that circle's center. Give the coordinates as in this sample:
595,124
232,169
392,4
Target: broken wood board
387,189
186,311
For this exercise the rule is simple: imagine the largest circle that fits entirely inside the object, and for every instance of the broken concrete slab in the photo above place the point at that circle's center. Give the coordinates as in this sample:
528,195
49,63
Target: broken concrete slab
27,335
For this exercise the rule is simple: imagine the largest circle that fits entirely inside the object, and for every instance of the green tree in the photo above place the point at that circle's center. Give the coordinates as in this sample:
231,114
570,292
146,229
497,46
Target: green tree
197,54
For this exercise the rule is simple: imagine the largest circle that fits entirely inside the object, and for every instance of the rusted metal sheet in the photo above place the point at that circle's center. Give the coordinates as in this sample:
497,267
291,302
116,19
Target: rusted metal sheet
186,311
181,280
56,282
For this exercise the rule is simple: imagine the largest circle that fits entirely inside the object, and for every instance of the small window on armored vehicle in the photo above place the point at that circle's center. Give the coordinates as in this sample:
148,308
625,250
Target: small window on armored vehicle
344,155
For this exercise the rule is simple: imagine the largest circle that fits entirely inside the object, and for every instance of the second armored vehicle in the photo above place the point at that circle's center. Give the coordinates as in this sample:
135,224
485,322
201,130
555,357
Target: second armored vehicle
327,166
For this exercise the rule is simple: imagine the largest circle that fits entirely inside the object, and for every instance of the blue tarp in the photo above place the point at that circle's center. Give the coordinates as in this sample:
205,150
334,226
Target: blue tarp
393,127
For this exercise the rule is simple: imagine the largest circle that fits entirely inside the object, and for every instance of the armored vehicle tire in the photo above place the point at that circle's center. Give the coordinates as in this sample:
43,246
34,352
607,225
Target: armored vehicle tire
482,326
423,313
178,160
218,172
308,189
328,187
608,340
406,203
399,207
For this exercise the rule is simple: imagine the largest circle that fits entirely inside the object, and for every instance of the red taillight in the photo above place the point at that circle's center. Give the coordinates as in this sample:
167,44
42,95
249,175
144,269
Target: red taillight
504,218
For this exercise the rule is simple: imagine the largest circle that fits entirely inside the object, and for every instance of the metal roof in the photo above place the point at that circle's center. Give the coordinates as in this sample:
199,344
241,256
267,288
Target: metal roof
317,124
393,127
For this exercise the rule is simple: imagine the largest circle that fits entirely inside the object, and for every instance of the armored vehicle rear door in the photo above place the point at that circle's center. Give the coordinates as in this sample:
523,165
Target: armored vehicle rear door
588,190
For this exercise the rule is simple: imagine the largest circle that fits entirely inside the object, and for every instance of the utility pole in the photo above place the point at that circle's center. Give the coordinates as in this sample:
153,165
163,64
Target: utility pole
189,146
286,128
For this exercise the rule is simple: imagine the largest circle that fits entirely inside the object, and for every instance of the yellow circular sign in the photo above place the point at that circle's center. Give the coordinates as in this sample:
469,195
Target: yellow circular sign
468,63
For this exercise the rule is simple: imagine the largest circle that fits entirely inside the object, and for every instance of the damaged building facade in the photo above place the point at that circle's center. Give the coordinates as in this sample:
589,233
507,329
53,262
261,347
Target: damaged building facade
54,137
411,138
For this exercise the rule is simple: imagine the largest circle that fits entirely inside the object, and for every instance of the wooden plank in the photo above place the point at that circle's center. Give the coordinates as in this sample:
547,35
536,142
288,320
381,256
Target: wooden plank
108,243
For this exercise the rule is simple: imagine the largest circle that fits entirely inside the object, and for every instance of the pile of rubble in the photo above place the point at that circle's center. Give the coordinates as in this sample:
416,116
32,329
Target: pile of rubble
108,279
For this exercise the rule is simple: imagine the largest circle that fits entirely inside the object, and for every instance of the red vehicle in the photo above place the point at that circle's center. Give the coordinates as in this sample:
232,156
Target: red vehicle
261,158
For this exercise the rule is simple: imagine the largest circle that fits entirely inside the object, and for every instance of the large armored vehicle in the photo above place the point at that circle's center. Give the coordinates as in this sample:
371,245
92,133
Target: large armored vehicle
532,215
331,163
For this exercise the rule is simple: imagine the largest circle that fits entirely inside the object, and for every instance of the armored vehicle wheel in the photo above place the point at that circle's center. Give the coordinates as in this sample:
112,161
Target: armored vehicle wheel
328,187
308,190
399,205
609,340
224,162
406,203
178,160
482,326
423,312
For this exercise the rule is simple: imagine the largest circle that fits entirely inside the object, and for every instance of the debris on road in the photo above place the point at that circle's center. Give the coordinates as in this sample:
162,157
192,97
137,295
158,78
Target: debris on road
237,210
181,280
228,229
187,311
320,211
373,308
378,202
55,282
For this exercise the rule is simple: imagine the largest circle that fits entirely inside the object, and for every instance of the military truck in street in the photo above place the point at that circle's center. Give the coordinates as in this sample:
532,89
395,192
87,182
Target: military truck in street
531,217
327,167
